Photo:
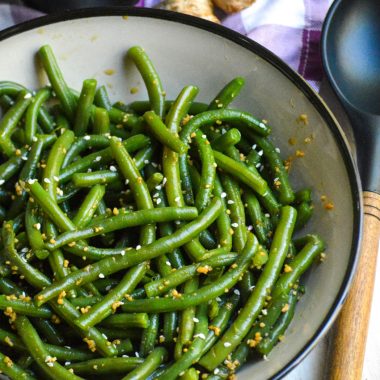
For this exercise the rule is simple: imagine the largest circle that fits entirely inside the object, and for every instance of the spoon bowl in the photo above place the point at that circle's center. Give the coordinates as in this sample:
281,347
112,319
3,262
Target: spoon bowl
351,57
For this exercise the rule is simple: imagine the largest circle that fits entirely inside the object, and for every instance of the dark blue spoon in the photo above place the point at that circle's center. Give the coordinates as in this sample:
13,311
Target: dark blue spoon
351,58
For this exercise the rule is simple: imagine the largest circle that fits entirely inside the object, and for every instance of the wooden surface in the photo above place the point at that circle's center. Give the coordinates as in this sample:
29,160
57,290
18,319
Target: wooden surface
352,326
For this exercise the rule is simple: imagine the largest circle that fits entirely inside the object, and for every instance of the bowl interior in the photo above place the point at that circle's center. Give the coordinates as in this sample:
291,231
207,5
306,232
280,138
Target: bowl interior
95,47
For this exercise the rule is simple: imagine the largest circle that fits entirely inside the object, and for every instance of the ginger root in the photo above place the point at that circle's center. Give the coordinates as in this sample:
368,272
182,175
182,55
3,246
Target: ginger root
231,6
198,8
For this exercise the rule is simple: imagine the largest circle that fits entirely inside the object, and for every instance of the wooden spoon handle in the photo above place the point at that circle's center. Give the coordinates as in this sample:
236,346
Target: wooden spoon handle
352,325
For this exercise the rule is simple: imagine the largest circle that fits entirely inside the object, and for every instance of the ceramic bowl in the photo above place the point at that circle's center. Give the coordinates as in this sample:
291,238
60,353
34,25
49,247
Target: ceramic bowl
186,50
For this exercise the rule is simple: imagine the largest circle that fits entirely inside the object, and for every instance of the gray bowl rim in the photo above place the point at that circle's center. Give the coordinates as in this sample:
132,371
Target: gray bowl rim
297,80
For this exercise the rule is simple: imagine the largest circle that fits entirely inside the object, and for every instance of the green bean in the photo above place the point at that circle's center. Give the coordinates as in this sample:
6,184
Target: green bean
237,214
230,138
208,171
118,222
205,293
89,206
150,364
54,162
137,185
94,178
313,246
66,98
8,287
159,130
48,331
49,206
111,301
219,324
10,120
111,265
149,335
106,366
257,217
241,173
10,88
304,195
266,345
83,143
173,279
195,350
101,157
151,79
27,172
240,327
102,99
23,307
12,166
227,94
186,323
32,275
232,117
32,114
13,370
171,166
115,333
246,286
101,122
95,340
121,321
38,351
84,107
154,180
279,173
304,213
61,353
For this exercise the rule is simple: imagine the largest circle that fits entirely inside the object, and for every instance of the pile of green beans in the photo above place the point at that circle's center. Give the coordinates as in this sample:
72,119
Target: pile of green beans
150,240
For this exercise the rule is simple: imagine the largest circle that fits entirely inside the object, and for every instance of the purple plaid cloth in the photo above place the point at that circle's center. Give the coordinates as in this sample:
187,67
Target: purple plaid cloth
289,28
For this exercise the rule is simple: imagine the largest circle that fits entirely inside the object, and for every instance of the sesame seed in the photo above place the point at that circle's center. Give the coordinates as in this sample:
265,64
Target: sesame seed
277,150
34,139
204,137
195,320
28,95
98,158
158,201
216,371
230,202
267,215
177,199
137,354
87,137
236,291
112,168
200,336
138,247
254,146
250,228
47,180
262,125
2,182
24,158
260,153
235,225
101,275
227,344
223,195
